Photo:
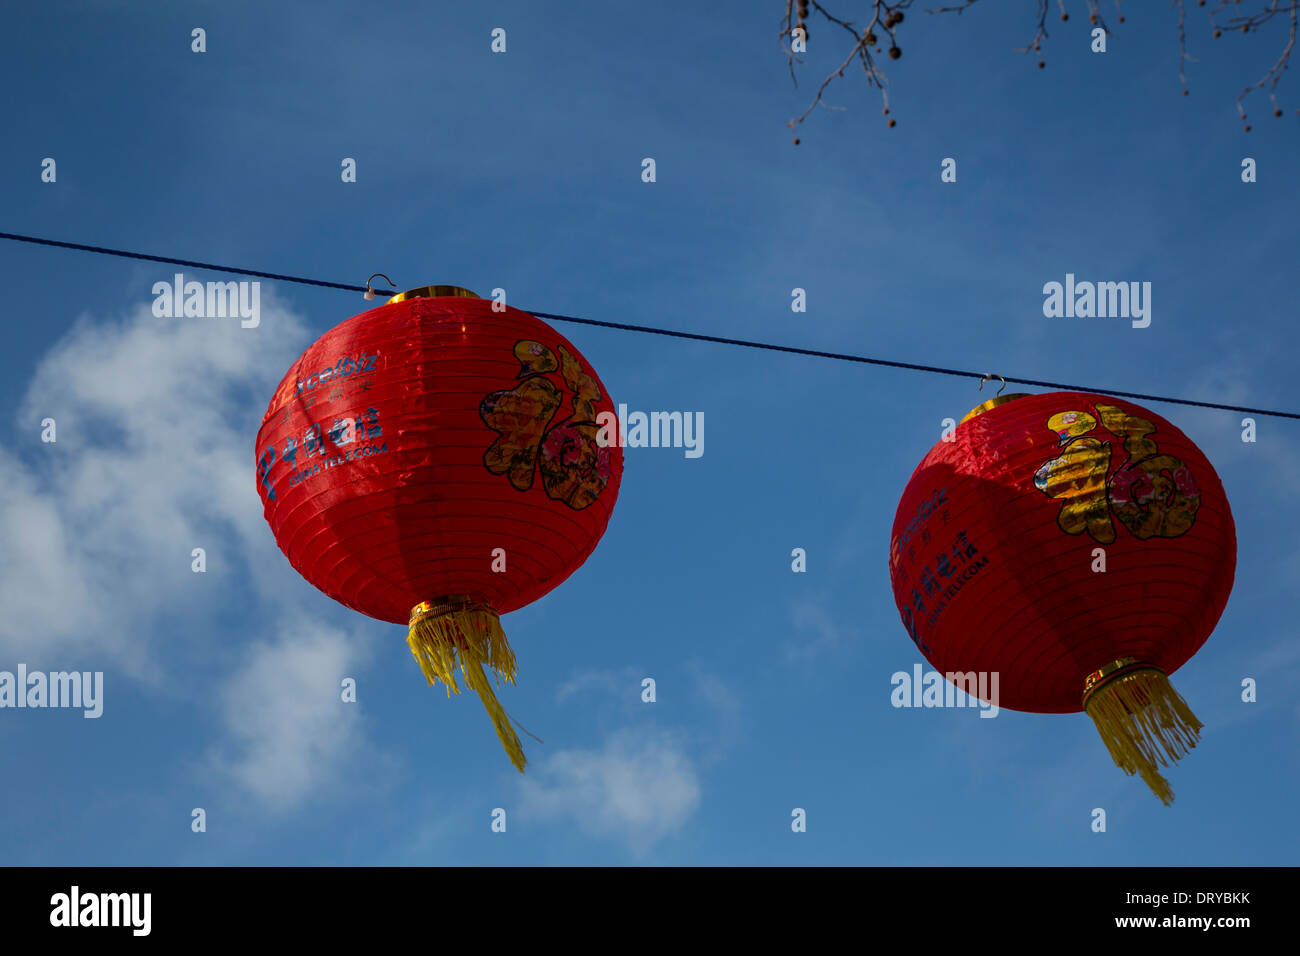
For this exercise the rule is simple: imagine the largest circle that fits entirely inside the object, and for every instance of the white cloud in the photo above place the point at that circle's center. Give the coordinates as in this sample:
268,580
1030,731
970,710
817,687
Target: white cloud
626,681
156,420
811,617
726,705
639,787
156,423
292,731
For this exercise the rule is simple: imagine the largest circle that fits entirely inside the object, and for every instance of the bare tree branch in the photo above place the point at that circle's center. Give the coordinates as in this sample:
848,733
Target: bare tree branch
886,17
1183,55
1252,22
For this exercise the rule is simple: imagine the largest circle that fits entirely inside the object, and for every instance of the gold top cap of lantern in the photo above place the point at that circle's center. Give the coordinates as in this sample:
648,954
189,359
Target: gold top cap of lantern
992,403
433,292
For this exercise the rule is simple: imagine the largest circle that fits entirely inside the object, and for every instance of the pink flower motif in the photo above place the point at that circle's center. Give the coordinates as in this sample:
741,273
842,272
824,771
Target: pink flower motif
554,443
1122,485
564,445
1186,483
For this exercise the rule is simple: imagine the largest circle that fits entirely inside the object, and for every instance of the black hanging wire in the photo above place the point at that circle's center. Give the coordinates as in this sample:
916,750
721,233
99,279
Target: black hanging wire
649,330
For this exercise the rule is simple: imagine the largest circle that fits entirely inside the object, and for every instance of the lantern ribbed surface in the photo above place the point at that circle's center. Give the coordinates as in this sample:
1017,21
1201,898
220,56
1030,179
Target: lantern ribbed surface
994,561
409,511
437,462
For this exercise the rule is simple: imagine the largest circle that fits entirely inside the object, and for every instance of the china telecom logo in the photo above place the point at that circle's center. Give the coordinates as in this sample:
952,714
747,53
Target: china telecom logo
344,367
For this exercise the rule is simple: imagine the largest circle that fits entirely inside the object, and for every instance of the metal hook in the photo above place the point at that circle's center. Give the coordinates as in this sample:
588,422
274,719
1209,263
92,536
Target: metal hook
370,293
989,377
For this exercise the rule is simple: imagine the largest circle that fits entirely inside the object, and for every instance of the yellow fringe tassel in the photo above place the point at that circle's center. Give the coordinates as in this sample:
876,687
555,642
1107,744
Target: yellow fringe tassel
459,631
1143,721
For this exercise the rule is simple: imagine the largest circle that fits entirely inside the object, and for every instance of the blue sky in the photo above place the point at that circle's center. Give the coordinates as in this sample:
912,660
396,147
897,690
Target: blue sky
522,170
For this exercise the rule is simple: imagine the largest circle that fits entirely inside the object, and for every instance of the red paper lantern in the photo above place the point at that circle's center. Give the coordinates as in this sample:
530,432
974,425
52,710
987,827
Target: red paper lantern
1080,547
437,462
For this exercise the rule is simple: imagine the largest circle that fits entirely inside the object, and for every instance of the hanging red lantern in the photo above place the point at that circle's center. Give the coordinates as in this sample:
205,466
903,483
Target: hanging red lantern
438,462
1081,548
